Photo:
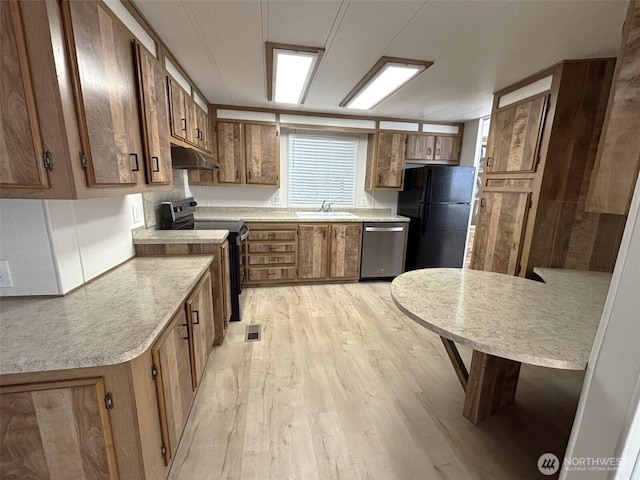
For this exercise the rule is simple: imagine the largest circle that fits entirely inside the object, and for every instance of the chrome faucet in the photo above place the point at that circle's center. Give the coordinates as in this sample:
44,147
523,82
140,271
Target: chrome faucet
325,207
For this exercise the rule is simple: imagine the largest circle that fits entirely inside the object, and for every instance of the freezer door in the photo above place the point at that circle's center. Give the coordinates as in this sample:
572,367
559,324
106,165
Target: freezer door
441,241
413,192
449,184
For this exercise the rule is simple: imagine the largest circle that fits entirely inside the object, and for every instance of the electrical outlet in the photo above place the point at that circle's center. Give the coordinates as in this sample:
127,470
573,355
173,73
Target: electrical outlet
5,275
275,199
137,213
363,201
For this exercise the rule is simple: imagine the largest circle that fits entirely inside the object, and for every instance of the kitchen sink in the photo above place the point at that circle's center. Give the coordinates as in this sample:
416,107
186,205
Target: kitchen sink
328,215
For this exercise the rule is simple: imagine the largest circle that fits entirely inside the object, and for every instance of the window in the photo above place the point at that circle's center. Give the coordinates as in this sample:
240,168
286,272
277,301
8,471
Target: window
322,168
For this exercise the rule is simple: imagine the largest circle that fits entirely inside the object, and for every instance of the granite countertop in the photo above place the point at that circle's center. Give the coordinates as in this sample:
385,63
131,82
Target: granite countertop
550,325
288,215
112,319
152,236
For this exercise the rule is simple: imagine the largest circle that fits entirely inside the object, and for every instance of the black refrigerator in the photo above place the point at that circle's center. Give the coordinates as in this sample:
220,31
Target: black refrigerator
437,200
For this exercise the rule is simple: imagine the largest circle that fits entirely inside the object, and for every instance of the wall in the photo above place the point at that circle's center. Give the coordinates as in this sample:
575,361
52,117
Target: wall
25,243
263,196
610,397
470,152
54,246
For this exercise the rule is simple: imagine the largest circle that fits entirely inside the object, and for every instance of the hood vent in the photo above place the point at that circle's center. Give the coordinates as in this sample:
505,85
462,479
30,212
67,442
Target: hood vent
190,158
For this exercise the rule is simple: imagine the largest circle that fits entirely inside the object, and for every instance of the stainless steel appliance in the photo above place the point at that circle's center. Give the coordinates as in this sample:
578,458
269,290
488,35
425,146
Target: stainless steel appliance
437,200
179,215
382,249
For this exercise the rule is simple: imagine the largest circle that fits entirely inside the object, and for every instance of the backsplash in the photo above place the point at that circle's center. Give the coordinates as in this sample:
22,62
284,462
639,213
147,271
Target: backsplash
151,201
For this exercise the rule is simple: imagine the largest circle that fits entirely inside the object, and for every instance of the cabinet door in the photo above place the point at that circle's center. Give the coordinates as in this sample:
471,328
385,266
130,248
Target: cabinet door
390,162
199,309
202,129
178,110
21,152
420,147
230,152
499,232
155,119
56,430
226,285
447,150
312,250
173,382
514,136
192,120
345,250
262,154
105,90
221,292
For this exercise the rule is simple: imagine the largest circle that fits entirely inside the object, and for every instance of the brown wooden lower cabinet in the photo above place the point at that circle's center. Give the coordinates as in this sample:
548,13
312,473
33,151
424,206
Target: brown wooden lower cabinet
313,246
262,274
121,421
56,430
344,260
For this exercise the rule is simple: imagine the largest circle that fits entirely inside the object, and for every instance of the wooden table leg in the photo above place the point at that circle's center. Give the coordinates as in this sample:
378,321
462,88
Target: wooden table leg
492,385
456,361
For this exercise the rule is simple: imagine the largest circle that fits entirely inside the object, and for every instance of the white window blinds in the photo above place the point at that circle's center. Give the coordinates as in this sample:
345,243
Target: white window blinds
322,168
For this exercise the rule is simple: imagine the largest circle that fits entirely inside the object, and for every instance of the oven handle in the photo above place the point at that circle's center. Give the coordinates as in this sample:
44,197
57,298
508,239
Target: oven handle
244,236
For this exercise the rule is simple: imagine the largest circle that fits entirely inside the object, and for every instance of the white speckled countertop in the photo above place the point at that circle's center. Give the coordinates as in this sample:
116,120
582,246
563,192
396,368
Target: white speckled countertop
110,320
151,236
551,325
288,215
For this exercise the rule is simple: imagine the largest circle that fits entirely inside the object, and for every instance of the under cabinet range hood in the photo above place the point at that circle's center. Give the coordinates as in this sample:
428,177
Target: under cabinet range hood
182,157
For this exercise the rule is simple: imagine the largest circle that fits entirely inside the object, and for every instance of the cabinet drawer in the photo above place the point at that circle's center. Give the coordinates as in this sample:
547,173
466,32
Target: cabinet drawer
271,247
282,273
272,235
272,259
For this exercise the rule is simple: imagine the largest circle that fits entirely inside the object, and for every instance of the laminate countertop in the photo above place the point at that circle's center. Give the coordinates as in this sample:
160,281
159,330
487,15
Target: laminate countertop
110,320
143,236
289,215
550,325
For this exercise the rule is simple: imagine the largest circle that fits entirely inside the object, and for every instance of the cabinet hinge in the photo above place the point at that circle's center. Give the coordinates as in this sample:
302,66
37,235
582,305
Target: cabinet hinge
154,371
163,450
47,160
108,400
83,160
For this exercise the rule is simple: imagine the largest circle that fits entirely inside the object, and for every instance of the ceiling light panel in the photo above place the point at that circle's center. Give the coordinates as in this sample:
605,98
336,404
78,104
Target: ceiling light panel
387,76
290,70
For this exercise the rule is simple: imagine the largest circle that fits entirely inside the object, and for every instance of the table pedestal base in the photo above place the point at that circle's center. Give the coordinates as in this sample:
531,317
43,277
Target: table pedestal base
489,385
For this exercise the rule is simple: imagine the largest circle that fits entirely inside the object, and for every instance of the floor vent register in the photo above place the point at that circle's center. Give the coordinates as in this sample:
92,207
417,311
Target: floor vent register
254,333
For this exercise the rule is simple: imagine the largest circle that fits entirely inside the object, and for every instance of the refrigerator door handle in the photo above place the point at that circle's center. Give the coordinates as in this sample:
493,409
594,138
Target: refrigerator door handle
426,191
424,214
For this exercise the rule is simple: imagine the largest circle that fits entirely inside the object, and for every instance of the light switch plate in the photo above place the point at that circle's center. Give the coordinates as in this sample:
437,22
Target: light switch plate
137,214
275,199
363,201
5,275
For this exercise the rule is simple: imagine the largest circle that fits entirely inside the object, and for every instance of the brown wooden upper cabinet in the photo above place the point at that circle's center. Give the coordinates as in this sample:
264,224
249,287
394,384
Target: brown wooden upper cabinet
155,118
433,149
63,135
22,155
385,161
248,153
189,122
514,136
104,84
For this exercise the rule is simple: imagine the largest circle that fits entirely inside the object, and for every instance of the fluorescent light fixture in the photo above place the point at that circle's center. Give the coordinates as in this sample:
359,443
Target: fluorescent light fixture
290,69
386,76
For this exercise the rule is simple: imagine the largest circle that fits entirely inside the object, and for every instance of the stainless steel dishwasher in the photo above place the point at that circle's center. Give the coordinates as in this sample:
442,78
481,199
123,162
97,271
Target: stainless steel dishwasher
383,246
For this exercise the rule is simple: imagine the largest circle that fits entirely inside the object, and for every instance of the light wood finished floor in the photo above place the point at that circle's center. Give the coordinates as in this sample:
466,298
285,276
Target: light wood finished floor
343,385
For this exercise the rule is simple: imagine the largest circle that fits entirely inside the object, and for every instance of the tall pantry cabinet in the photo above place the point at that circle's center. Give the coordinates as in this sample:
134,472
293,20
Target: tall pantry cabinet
542,145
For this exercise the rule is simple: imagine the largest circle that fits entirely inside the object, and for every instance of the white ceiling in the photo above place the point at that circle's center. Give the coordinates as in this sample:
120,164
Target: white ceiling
477,46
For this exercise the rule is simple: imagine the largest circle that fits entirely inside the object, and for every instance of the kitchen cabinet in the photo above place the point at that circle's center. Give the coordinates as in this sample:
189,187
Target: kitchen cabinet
105,91
385,161
22,155
199,309
75,135
189,123
313,247
344,260
271,252
155,118
499,231
613,179
172,374
248,154
433,149
56,429
540,155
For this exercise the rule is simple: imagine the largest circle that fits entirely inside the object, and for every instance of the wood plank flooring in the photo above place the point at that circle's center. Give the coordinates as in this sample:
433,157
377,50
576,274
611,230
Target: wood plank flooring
343,385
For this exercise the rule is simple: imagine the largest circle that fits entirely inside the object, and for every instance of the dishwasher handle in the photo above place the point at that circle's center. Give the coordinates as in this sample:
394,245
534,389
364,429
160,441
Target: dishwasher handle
384,229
